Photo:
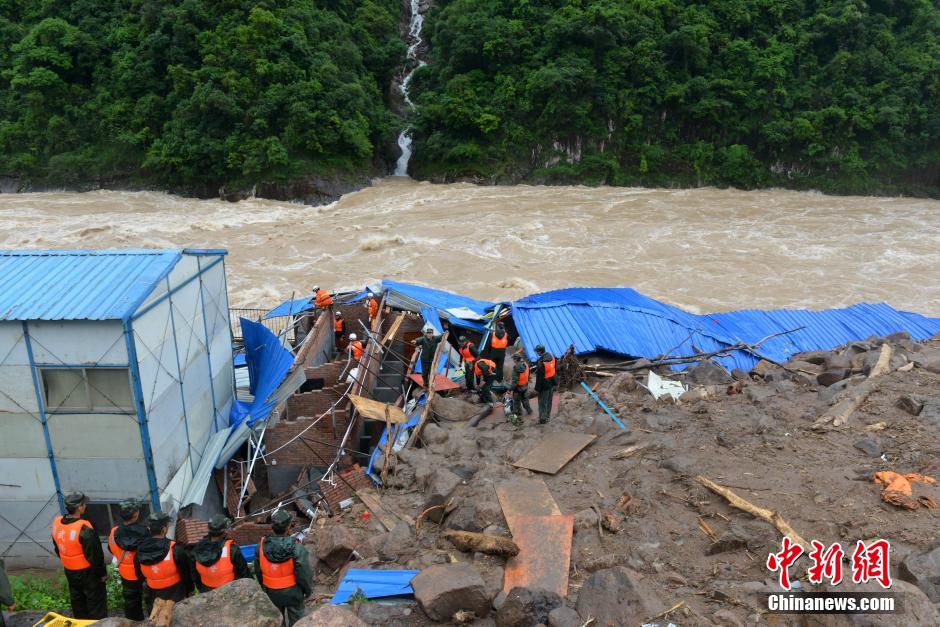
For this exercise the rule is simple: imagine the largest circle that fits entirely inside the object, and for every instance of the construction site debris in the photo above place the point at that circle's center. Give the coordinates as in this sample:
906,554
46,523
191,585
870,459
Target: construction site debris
241,602
335,546
374,410
452,409
331,616
443,590
840,413
544,553
660,387
617,596
554,451
482,543
525,607
897,489
373,584
564,616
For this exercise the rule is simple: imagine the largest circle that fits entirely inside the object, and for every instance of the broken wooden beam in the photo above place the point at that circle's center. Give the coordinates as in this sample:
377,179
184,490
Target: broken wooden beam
478,542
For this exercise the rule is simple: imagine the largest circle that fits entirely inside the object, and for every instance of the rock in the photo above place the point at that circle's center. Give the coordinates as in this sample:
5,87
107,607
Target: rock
693,395
390,615
763,368
440,485
464,518
827,394
601,562
796,364
617,596
708,373
453,409
917,608
241,602
600,425
911,405
758,394
585,519
727,542
832,376
432,434
335,546
838,362
728,618
525,606
923,570
739,375
817,358
331,616
397,541
870,445
621,384
931,413
444,589
898,336
499,599
564,616
928,359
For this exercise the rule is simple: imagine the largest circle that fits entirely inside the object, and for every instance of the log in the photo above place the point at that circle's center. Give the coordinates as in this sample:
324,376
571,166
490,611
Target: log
478,542
839,414
773,518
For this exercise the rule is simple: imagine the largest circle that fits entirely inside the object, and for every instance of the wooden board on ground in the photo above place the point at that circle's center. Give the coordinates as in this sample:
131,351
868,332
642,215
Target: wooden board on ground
376,410
544,554
441,382
525,497
388,516
554,451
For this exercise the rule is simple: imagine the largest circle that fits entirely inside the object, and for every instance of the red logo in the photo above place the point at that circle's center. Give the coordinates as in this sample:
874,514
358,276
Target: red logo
871,561
783,560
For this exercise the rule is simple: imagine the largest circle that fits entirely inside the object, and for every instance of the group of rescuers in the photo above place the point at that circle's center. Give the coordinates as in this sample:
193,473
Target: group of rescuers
480,372
152,566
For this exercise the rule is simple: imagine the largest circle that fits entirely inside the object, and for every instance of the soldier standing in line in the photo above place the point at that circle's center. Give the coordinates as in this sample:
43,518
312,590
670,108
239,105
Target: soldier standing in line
283,568
77,544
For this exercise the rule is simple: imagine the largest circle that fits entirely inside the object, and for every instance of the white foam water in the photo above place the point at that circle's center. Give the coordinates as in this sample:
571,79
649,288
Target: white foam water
415,24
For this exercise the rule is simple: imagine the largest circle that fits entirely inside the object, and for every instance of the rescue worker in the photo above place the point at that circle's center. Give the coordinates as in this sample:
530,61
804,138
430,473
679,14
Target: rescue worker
163,563
499,340
283,568
468,355
321,298
354,349
77,544
373,306
218,561
123,542
428,345
6,593
486,370
339,329
544,382
520,388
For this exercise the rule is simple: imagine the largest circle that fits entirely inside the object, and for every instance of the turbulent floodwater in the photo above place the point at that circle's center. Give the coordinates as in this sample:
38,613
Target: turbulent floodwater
703,249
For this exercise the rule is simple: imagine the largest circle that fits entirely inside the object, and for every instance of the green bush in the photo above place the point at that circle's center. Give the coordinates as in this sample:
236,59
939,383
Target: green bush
49,594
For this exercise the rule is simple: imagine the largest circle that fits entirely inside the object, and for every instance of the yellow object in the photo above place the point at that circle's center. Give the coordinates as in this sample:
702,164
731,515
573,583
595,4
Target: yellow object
57,620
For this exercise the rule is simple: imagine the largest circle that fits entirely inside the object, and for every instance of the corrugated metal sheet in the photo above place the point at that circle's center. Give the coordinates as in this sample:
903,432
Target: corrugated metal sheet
415,298
290,307
79,284
625,322
374,584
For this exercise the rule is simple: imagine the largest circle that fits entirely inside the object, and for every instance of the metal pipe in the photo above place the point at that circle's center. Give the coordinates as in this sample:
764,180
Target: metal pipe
604,407
486,411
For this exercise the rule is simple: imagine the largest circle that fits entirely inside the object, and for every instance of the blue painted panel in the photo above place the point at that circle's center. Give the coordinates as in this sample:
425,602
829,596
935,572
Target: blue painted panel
374,584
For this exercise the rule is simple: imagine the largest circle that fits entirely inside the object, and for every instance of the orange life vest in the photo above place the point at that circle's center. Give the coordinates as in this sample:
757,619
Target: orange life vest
66,540
524,377
549,368
373,309
500,342
276,576
125,559
164,573
356,348
466,354
220,573
323,299
476,366
339,326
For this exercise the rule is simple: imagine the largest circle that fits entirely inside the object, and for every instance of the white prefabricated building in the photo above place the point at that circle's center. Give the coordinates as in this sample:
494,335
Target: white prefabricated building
115,370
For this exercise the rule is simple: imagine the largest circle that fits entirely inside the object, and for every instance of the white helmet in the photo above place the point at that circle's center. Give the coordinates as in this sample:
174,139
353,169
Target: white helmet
316,288
352,336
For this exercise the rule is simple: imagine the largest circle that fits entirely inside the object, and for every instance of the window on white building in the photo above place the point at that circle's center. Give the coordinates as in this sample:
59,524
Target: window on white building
91,390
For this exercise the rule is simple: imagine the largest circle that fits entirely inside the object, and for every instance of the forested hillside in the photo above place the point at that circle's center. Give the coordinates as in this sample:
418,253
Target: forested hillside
840,95
194,94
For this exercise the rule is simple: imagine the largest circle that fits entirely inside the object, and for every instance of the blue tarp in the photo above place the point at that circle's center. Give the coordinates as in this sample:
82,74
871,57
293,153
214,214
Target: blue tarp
396,430
624,322
416,298
374,584
268,363
291,307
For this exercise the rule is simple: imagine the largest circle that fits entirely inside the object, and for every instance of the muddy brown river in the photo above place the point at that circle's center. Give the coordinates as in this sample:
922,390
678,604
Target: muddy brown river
703,249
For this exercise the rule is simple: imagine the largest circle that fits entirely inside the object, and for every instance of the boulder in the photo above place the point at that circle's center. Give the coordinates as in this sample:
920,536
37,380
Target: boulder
815,357
796,364
832,376
526,606
931,413
440,485
331,616
617,596
923,570
759,394
335,546
585,519
911,405
564,616
432,434
453,409
870,445
928,359
621,384
241,602
838,362
444,589
828,393
763,368
708,373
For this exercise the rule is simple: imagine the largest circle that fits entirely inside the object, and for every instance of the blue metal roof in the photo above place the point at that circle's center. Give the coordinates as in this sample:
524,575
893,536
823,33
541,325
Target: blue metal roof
80,284
436,298
268,363
625,322
291,307
374,584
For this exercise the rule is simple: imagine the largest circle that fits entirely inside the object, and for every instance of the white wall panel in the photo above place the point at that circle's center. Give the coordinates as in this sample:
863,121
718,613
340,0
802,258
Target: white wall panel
104,478
80,436
31,476
21,436
12,346
17,391
78,342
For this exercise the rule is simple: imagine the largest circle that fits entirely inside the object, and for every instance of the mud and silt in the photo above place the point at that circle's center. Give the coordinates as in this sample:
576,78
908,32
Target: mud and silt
758,442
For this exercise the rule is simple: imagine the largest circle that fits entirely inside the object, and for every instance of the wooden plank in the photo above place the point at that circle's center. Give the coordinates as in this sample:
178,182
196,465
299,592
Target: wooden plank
525,497
441,382
554,451
392,330
388,516
376,410
544,554
430,396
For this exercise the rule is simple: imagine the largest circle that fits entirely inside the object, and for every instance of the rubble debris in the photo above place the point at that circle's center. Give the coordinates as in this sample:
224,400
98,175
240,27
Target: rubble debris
445,589
388,516
375,410
923,570
374,584
910,404
603,406
840,413
452,409
335,546
482,543
342,486
330,616
241,602
441,486
525,606
660,387
708,372
897,490
554,451
617,596
564,616
870,445
833,376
